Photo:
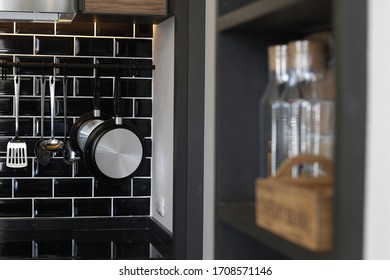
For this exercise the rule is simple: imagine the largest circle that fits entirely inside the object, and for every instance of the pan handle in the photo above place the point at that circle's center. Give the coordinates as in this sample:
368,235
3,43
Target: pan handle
118,110
96,97
52,82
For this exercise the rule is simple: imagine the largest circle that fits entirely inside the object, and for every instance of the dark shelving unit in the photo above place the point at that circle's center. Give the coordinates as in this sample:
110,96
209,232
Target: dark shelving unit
243,34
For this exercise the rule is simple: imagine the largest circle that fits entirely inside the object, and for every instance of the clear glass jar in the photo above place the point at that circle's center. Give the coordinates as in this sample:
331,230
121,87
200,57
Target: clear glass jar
303,101
270,109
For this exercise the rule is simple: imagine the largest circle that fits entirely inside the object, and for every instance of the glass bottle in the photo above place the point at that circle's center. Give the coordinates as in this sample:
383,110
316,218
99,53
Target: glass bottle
306,64
270,109
323,112
323,105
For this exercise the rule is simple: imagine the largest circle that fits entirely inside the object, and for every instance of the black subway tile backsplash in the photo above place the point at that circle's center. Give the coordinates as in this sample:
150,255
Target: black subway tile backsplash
56,168
58,126
136,88
75,71
134,48
80,169
122,189
77,106
16,250
15,208
54,45
127,107
95,250
126,72
144,63
52,207
141,187
59,189
6,27
35,188
85,87
15,172
148,147
143,108
34,28
8,127
75,28
94,47
72,187
114,29
144,171
5,187
26,86
49,249
6,106
35,71
131,250
144,30
30,106
144,126
11,44
133,206
92,207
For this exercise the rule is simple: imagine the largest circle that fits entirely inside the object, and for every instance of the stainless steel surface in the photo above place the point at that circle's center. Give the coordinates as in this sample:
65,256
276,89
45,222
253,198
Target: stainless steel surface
118,153
52,82
52,144
118,120
38,10
85,130
96,113
17,92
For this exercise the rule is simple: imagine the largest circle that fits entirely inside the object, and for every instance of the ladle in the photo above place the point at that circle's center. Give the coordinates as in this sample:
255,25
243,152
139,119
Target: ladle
41,154
52,144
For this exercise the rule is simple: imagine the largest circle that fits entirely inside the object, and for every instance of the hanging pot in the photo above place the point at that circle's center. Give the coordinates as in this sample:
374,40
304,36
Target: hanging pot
114,150
81,129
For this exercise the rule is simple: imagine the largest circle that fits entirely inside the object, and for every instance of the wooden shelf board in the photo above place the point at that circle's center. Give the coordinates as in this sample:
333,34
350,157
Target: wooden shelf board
241,216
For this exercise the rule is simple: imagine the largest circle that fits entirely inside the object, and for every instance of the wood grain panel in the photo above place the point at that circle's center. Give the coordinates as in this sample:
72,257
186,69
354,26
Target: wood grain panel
127,7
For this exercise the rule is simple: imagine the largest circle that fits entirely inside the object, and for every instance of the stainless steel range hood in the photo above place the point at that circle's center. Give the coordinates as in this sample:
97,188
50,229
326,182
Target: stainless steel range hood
38,10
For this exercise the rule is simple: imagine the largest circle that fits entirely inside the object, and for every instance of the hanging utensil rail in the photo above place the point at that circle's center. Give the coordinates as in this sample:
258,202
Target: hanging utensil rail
134,66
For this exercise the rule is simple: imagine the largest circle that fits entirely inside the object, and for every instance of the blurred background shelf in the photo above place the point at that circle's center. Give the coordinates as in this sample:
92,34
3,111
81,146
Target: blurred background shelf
244,31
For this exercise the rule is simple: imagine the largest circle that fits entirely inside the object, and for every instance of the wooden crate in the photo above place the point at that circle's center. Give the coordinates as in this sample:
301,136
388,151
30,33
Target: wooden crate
298,209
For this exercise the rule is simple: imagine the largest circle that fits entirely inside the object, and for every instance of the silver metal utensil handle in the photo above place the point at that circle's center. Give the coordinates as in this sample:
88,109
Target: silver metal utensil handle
17,90
65,91
43,87
52,81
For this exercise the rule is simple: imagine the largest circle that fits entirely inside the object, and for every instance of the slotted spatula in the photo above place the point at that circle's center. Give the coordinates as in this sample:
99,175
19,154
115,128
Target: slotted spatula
16,147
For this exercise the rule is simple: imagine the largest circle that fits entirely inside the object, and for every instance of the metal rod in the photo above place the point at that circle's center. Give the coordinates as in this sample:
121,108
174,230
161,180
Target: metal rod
132,65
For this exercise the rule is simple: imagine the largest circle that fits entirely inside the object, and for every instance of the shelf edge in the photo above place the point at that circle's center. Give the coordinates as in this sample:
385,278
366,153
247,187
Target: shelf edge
252,11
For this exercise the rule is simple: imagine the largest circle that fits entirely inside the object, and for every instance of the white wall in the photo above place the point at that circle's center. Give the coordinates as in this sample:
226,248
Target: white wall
209,137
377,192
162,150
